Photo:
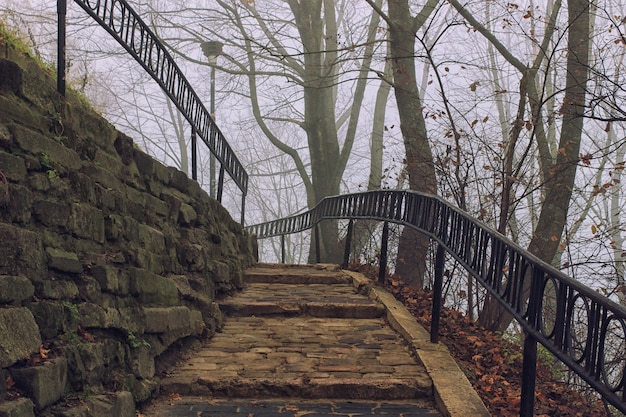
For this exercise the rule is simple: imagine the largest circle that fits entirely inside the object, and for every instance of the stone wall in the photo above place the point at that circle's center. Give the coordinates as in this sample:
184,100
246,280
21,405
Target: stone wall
108,259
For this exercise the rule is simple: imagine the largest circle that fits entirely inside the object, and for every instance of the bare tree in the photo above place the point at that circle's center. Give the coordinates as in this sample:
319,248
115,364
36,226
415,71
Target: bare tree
420,168
317,66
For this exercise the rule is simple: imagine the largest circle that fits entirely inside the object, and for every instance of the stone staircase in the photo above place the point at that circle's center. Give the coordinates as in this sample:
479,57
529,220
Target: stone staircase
316,332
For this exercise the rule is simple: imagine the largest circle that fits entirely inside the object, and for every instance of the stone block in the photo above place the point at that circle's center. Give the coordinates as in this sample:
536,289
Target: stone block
93,315
17,202
15,289
158,206
152,289
162,173
4,374
83,187
76,372
6,138
179,319
51,213
22,407
87,222
142,359
19,335
89,289
39,181
57,289
145,163
13,167
102,176
125,148
151,239
45,384
135,204
100,131
11,77
118,405
64,261
130,176
56,153
147,260
132,320
157,319
20,112
192,256
53,318
180,181
173,205
93,359
105,197
114,227
142,389
220,272
112,164
109,279
187,215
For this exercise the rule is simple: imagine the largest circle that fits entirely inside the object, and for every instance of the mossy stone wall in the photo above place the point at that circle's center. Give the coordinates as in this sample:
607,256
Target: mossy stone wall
108,259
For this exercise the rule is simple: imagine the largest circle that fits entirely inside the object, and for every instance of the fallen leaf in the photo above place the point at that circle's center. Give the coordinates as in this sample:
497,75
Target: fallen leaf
43,352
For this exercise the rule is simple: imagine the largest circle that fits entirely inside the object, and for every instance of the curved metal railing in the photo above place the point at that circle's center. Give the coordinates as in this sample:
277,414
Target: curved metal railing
582,328
127,27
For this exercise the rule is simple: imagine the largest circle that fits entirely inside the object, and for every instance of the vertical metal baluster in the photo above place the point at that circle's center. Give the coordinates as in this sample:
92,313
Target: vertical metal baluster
383,254
346,253
317,243
282,248
529,364
61,12
529,376
220,184
243,207
437,293
194,155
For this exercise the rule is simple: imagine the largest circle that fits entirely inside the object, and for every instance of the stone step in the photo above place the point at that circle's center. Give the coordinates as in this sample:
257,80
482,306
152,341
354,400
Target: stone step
303,357
315,300
318,388
295,274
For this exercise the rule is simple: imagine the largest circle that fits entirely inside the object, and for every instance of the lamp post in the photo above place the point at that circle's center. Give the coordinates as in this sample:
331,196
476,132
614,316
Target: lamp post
212,49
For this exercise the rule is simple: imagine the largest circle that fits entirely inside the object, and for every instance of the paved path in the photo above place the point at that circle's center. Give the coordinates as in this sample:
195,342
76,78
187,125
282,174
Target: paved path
315,341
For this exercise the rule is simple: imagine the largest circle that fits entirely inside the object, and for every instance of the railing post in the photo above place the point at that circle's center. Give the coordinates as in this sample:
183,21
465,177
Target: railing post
317,243
437,293
61,12
220,184
382,267
346,252
529,376
282,249
212,159
194,155
243,208
529,364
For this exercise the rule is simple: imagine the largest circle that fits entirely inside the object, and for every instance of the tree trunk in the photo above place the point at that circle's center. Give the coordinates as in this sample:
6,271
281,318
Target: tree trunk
413,246
319,80
553,218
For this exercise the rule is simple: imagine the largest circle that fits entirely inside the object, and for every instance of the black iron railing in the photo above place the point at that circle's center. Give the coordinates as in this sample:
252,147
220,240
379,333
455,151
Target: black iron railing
127,27
582,328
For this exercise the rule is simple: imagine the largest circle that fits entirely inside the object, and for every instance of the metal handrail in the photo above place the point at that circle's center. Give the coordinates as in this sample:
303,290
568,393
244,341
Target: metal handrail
127,27
502,268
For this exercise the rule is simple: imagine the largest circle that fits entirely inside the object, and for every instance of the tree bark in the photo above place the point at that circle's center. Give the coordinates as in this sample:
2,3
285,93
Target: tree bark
413,246
553,218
